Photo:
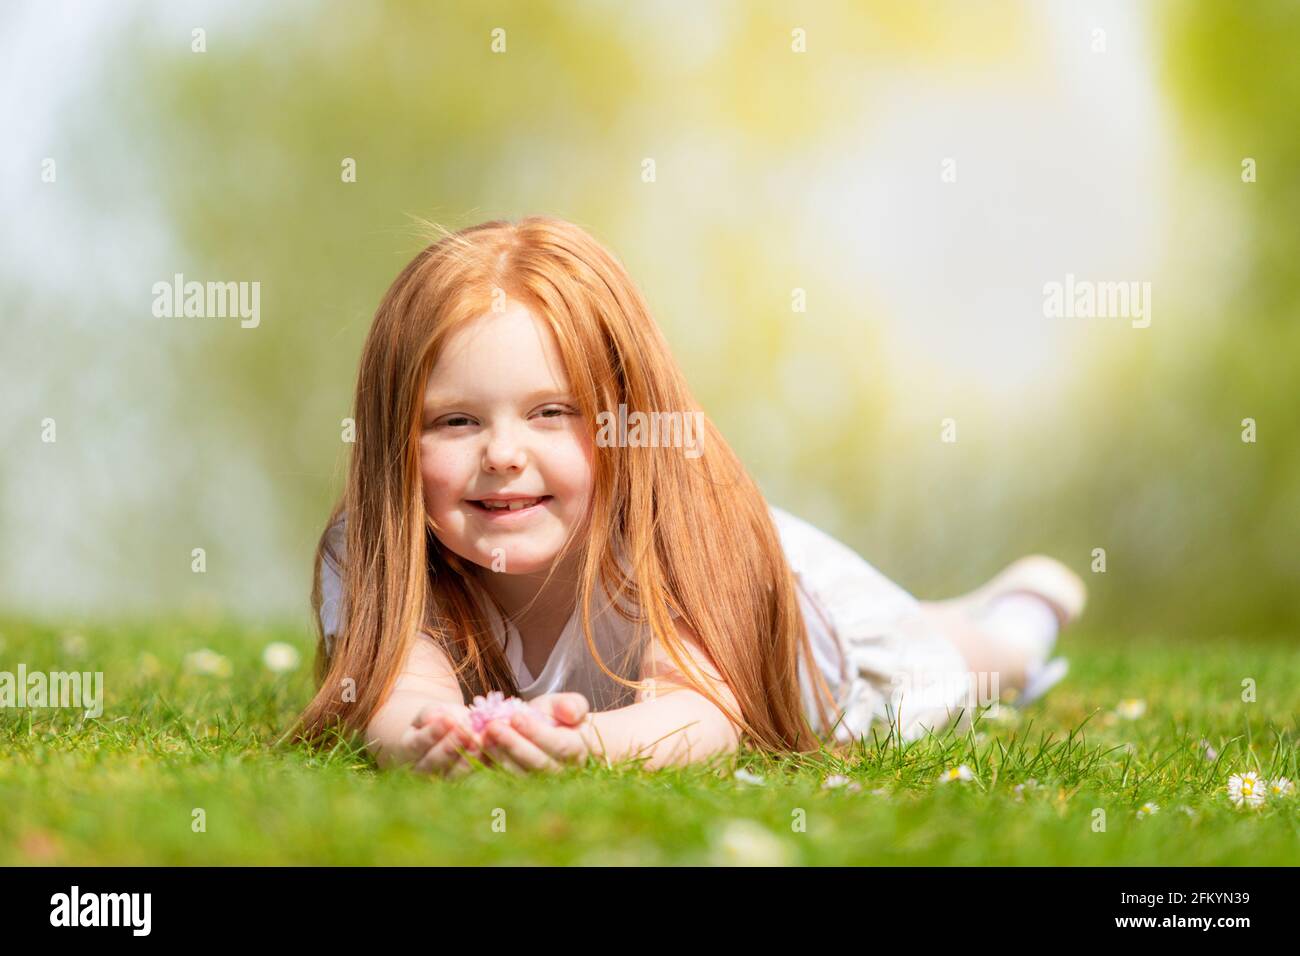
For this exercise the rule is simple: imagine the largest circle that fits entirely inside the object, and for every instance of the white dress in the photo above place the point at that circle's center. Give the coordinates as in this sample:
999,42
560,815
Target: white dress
867,634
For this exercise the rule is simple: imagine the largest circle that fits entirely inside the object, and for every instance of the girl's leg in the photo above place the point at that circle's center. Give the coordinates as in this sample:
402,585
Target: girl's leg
1009,625
983,651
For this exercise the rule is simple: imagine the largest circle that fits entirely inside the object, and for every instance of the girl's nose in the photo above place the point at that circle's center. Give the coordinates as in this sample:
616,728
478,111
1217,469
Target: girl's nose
503,452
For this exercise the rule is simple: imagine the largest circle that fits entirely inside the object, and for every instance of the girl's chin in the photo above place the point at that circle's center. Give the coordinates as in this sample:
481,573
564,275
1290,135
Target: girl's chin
514,558
515,566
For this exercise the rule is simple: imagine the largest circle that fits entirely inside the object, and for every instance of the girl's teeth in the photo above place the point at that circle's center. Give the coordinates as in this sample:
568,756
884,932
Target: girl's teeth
511,505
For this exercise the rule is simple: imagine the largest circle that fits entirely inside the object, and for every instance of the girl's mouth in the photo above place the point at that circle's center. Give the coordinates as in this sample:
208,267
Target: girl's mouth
507,509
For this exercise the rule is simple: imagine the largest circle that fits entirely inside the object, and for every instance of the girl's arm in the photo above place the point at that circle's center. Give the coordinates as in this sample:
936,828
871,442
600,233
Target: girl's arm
671,723
426,679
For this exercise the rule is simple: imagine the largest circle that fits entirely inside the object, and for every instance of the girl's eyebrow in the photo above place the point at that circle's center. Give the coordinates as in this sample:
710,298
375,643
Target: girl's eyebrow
439,401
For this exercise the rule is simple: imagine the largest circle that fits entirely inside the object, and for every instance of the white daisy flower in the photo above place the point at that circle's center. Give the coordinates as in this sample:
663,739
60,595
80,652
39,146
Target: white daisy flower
207,662
747,843
1020,788
1147,809
1006,714
1131,708
1246,788
744,776
74,645
962,773
1281,787
835,780
149,665
280,658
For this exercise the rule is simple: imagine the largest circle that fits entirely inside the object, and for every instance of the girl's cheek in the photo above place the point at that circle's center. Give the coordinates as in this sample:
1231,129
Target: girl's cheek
579,479
580,456
442,475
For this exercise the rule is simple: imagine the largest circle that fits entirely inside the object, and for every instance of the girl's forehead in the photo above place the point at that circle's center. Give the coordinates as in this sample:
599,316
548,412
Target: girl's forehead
513,350
515,329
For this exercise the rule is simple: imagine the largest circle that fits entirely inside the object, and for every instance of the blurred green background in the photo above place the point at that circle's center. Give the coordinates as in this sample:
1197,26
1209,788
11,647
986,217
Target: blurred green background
1113,156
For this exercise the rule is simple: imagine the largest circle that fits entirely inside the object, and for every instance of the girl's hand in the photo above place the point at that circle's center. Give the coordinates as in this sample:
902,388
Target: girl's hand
569,708
437,739
527,744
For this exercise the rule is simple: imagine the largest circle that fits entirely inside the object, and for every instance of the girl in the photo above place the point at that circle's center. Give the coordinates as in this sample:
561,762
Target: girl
636,590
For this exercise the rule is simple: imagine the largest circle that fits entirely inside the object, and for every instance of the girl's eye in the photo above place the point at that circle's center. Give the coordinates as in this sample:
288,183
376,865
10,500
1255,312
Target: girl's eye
453,421
458,421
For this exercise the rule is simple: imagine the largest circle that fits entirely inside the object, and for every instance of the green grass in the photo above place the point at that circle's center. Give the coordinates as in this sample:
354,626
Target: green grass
122,788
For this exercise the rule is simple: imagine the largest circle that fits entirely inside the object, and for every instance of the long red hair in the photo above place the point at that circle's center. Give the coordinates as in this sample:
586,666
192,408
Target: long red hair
696,532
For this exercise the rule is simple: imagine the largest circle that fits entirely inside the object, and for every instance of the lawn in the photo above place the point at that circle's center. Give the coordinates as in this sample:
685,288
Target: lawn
182,768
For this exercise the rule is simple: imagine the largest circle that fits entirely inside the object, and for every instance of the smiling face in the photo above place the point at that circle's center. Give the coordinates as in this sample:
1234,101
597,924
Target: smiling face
501,428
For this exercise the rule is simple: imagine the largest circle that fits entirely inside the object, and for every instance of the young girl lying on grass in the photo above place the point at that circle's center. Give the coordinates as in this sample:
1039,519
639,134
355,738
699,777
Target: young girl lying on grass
634,588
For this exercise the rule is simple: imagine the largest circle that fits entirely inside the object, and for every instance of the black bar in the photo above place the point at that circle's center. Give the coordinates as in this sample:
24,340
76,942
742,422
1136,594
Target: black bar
960,905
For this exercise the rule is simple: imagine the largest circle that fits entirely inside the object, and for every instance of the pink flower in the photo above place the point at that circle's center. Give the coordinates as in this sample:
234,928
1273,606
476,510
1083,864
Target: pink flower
497,706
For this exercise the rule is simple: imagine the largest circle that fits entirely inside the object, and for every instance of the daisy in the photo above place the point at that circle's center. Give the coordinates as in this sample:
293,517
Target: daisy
74,645
280,658
956,773
748,843
835,780
1147,809
1131,708
208,662
1281,787
1020,788
1006,714
1246,788
744,776
497,706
